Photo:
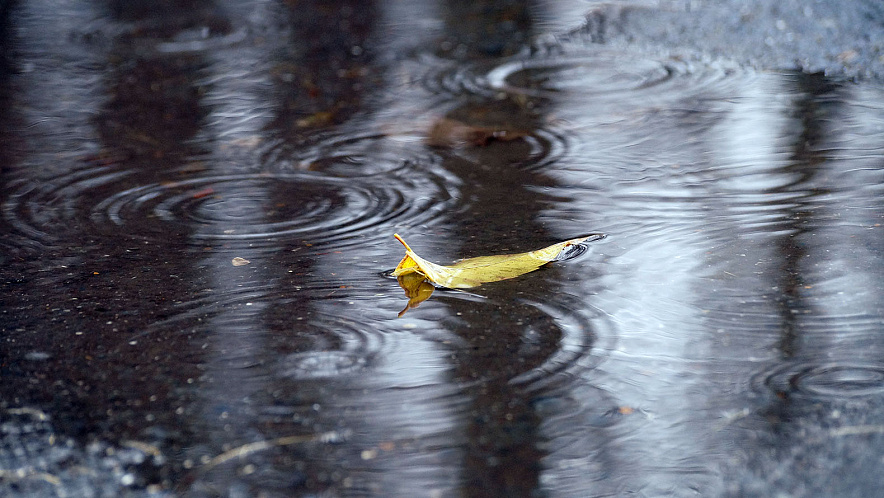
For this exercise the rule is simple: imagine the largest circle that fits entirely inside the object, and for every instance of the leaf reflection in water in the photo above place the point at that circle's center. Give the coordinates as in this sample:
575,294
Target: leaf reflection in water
417,288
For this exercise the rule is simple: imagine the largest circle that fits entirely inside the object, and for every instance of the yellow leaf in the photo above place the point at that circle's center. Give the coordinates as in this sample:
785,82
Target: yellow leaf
476,271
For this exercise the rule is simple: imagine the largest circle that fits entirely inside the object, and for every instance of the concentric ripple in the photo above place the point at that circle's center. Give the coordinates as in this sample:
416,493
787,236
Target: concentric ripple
558,337
39,209
351,348
306,343
358,156
585,75
602,74
580,98
322,364
824,380
258,207
585,341
442,77
336,192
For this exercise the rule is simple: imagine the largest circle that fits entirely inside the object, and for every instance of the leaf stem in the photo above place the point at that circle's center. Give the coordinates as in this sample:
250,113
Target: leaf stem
402,241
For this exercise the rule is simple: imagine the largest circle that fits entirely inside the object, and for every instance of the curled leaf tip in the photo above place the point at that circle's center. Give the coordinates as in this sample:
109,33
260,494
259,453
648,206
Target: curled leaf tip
402,241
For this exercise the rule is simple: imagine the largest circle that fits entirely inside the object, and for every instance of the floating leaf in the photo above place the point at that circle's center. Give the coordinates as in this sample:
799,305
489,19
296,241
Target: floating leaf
476,271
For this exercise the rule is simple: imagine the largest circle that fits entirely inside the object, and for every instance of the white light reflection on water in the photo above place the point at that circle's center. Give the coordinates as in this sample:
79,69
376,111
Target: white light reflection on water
405,412
829,377
670,263
236,340
354,368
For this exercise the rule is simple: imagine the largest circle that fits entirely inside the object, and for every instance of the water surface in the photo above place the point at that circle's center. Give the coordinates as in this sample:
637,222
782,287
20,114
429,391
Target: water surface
197,218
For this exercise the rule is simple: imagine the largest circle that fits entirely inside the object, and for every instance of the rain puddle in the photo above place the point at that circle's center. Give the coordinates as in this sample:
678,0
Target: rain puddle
198,213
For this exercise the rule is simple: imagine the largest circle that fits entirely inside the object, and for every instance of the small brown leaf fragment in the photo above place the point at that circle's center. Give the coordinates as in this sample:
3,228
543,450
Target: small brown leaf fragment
206,192
447,132
847,56
315,120
237,261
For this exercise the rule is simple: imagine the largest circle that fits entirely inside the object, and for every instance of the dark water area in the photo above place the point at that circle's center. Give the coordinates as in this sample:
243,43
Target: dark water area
197,207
